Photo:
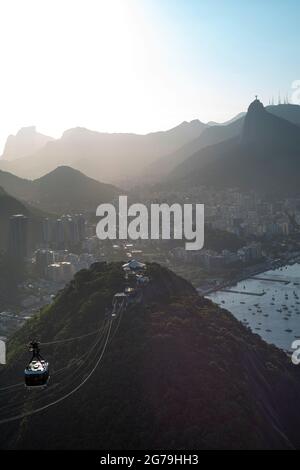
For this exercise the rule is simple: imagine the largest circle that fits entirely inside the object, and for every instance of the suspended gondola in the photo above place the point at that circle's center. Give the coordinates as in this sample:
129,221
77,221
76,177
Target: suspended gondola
36,374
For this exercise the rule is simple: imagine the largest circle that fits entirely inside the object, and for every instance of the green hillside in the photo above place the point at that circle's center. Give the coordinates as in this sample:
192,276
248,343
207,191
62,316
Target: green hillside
178,373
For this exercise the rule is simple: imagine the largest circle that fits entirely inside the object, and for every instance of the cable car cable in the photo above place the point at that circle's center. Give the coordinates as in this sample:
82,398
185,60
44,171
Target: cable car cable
21,397
59,400
15,406
50,343
51,390
69,339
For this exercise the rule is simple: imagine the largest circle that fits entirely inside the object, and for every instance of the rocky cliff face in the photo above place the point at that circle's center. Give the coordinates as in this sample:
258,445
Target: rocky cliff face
26,142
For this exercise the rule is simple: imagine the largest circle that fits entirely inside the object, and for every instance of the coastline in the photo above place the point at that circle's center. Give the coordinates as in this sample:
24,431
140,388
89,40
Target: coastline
257,269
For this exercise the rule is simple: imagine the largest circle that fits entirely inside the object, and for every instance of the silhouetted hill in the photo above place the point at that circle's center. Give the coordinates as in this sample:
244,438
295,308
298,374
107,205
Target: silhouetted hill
66,189
104,156
26,142
266,131
265,157
290,112
124,157
17,187
214,134
211,134
62,190
178,373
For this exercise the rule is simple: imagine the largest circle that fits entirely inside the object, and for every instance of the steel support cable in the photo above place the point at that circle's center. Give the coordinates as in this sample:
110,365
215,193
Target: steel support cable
20,384
59,400
77,360
50,343
75,372
74,364
66,340
120,314
68,381
46,395
80,367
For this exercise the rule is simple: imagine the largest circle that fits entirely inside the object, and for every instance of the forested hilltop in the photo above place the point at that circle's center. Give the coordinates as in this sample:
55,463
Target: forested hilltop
178,373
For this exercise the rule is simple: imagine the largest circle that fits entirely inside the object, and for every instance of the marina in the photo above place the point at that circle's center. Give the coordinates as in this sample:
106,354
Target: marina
242,292
268,304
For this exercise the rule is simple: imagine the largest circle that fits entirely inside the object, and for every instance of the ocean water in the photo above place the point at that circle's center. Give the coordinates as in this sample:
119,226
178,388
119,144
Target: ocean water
270,305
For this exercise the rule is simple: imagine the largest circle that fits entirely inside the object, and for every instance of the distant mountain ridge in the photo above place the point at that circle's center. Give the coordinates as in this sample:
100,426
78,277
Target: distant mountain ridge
103,156
215,134
209,136
132,158
66,189
26,142
290,112
62,190
265,156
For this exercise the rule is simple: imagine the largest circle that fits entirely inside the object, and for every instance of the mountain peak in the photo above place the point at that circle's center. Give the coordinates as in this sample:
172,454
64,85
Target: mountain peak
262,128
257,123
256,107
64,173
26,141
66,189
64,169
75,132
28,130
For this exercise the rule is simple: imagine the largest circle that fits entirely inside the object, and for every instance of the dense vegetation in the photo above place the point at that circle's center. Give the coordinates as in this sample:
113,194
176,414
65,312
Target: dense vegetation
179,373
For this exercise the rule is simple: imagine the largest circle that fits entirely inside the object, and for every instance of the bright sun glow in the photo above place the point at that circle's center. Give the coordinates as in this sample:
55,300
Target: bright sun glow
70,63
138,65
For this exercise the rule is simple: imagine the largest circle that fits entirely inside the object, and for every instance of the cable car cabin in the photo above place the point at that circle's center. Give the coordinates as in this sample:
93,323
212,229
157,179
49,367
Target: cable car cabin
119,299
130,293
36,373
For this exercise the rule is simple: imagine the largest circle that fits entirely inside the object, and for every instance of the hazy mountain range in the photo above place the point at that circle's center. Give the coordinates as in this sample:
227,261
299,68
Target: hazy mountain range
104,156
26,142
215,134
107,157
62,190
179,153
264,155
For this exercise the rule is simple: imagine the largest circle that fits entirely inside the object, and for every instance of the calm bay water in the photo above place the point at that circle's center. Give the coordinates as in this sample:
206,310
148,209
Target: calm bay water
273,309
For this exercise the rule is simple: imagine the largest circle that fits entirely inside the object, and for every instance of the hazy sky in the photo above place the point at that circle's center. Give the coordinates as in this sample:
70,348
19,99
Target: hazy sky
141,65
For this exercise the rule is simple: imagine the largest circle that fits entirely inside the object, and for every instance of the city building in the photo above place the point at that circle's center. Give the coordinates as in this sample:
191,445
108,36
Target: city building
18,236
42,260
